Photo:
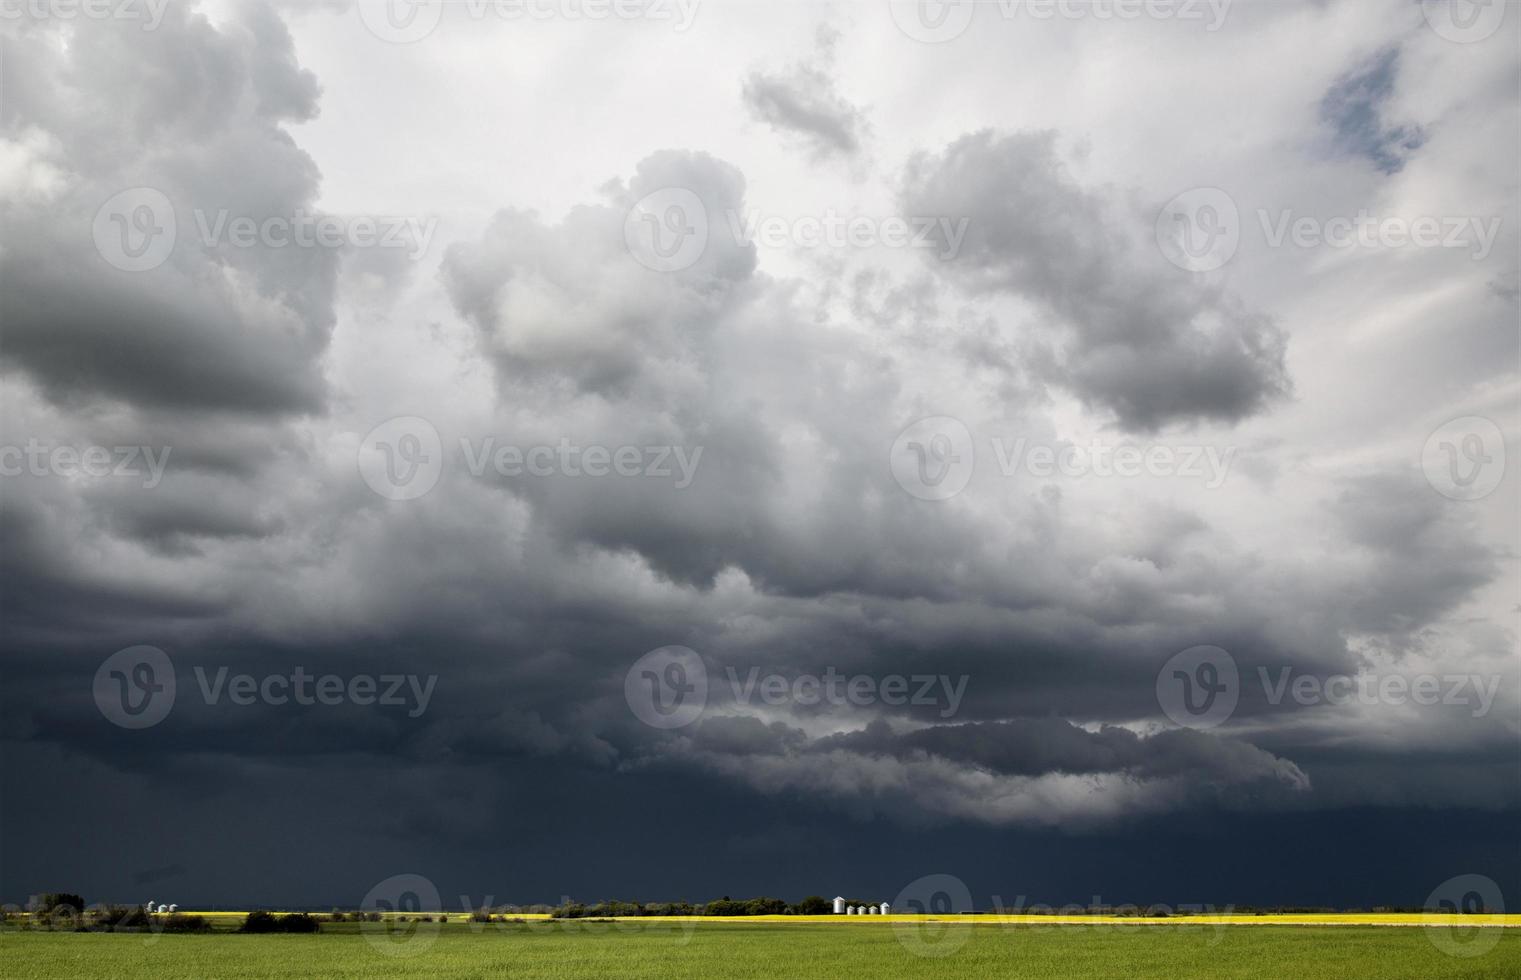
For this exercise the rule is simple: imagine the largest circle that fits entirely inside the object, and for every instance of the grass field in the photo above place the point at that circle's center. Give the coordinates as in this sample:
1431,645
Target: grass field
865,950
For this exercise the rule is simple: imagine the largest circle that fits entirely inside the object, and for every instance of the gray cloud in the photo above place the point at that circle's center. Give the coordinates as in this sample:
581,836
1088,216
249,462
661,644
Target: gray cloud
1141,340
183,109
804,103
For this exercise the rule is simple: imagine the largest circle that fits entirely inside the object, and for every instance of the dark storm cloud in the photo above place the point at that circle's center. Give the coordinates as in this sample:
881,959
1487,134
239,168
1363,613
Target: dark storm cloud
1420,563
1354,108
1143,341
804,103
195,113
792,551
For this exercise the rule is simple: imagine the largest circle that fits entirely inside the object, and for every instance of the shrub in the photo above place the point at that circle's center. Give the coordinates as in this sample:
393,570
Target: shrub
184,923
299,922
50,902
122,918
264,922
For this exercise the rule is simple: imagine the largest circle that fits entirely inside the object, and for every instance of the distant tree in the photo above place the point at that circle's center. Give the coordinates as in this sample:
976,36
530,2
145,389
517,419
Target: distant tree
186,923
264,922
49,902
814,905
298,922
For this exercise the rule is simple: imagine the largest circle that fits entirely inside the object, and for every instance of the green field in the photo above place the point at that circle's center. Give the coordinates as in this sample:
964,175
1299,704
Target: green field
774,951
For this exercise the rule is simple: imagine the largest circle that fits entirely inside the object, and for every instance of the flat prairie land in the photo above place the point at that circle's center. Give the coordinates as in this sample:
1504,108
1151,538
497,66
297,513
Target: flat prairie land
869,950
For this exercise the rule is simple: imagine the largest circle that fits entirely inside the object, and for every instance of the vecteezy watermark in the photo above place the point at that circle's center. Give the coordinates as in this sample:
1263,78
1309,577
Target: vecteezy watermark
938,234
927,900
1477,899
858,690
393,933
136,688
1464,459
1125,460
670,229
936,21
402,459
1365,230
303,229
405,21
1470,690
565,458
136,230
149,13
37,458
1200,230
411,691
667,687
1201,686
935,458
1118,918
1464,21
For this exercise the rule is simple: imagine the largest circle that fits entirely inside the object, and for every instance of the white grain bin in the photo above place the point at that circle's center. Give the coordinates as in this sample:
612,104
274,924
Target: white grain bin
885,908
839,905
850,910
872,910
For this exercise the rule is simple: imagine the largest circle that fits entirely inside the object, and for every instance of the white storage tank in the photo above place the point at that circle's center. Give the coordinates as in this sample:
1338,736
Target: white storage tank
839,905
885,908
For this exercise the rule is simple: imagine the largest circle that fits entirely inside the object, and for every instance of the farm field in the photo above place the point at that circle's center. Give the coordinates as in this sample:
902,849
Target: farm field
865,950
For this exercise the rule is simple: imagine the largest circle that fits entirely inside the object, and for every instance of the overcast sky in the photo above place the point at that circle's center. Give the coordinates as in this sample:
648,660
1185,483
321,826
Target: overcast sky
1116,403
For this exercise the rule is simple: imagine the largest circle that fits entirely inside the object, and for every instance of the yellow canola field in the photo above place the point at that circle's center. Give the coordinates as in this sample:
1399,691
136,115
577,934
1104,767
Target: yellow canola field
1510,920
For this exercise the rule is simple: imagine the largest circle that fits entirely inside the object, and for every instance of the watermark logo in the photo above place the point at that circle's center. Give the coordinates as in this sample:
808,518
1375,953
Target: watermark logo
401,897
927,899
401,21
1199,230
859,690
933,459
412,691
1465,458
667,688
72,462
134,688
1199,687
675,463
1464,21
1467,895
406,21
135,229
401,458
939,234
1370,231
1475,691
667,230
932,21
306,229
149,12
